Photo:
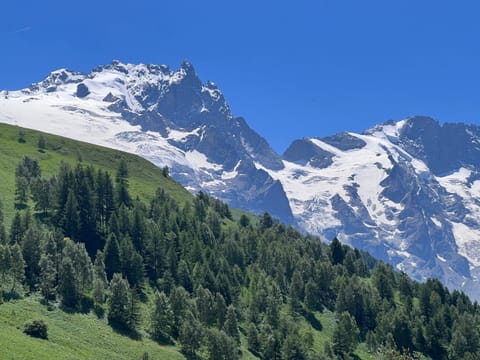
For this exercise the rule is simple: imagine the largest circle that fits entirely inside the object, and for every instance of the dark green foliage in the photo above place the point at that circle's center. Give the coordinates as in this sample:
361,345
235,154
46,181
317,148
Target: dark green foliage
336,252
42,144
231,324
36,328
345,336
112,256
161,318
68,286
118,303
48,277
217,279
220,346
122,195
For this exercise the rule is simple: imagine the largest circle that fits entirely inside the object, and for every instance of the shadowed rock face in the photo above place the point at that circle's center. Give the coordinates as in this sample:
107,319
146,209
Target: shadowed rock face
304,152
344,141
444,148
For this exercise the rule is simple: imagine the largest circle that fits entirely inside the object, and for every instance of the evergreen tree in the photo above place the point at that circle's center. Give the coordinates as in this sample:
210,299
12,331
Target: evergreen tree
465,338
31,253
67,287
336,252
71,218
16,229
118,309
131,263
123,196
21,192
99,279
191,334
112,256
231,324
48,277
220,346
134,316
42,144
161,317
252,339
296,292
18,266
180,305
345,335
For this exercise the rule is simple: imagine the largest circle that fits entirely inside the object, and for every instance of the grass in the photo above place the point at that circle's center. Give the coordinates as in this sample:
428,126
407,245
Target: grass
71,336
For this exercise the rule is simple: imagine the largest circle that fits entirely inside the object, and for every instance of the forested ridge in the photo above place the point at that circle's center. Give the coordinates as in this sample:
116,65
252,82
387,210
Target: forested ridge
190,275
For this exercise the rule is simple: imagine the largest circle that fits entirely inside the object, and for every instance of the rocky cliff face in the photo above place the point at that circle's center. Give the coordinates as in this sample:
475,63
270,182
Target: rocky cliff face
407,191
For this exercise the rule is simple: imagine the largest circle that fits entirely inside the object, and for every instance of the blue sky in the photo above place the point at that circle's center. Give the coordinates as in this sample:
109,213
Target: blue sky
292,69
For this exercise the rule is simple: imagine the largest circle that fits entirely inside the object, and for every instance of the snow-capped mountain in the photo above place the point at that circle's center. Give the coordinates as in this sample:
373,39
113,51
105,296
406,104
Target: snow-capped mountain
169,117
407,191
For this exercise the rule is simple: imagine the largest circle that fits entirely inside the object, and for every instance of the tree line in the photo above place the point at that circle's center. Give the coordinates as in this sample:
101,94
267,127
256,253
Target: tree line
190,275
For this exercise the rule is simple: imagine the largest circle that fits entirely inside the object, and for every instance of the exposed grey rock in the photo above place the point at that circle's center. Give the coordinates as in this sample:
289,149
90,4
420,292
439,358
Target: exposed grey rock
82,90
304,152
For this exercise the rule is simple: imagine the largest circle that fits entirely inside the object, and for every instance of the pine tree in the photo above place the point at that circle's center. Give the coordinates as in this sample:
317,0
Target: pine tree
220,346
112,256
16,229
118,309
48,277
336,252
42,144
67,284
18,266
99,279
123,196
21,192
296,292
131,263
31,253
71,218
345,335
231,324
161,318
252,339
191,334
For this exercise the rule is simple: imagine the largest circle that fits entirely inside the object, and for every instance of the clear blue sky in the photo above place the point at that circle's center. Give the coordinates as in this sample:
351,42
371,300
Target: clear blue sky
291,68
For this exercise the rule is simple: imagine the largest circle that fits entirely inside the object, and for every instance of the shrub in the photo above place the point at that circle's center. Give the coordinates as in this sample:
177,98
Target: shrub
36,328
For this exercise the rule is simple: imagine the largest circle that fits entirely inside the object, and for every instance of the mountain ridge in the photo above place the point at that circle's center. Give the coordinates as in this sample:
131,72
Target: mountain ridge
397,190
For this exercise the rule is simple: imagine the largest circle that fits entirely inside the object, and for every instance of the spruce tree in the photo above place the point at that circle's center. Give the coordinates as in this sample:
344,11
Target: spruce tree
18,266
123,196
345,335
48,277
118,302
231,324
112,256
67,287
191,335
161,318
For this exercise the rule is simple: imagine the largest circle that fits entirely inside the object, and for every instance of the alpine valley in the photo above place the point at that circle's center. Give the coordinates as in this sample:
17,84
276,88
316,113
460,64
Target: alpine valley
408,192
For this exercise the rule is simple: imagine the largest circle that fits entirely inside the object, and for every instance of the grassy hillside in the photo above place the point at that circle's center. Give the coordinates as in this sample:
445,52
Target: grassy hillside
144,180
71,336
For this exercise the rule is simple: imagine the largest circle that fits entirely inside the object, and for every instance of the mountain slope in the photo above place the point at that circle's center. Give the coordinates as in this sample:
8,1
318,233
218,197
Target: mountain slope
406,191
168,117
396,194
147,177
